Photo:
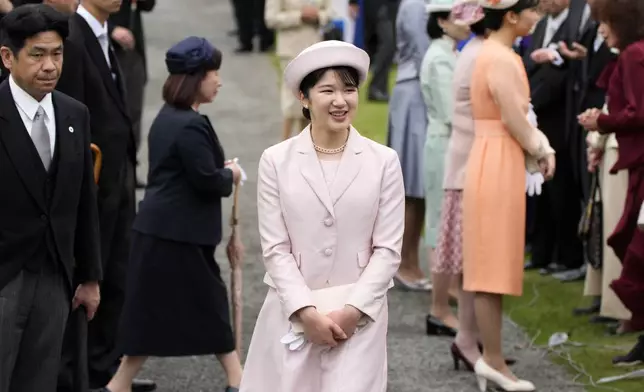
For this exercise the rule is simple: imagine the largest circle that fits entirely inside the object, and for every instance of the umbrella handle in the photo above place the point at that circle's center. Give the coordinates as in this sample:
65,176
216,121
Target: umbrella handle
98,161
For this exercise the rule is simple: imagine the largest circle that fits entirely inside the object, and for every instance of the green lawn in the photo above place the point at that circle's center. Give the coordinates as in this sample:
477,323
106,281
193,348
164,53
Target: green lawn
546,305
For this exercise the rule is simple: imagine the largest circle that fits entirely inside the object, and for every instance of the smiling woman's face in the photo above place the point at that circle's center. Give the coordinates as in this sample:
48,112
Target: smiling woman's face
332,101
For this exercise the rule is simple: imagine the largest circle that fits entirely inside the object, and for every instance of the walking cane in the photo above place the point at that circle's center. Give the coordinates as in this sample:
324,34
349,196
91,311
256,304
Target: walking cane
235,252
81,367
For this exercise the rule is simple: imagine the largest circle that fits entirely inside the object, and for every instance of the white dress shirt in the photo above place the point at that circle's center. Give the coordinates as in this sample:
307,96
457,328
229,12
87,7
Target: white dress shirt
28,106
100,31
552,26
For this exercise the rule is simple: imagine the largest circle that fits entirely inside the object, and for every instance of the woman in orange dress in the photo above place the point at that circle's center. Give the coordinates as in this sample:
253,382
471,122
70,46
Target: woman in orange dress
495,180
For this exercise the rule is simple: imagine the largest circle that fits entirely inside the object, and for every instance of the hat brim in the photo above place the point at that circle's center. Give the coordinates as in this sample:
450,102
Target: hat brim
325,57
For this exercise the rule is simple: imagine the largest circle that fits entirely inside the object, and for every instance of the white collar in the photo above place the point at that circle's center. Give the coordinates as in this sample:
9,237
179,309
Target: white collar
28,104
96,26
559,19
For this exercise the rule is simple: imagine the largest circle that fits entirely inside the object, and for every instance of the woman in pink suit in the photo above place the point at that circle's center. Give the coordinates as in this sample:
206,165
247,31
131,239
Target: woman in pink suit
331,217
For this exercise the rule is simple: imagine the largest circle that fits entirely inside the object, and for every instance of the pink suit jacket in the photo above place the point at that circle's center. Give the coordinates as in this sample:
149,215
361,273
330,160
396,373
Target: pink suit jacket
315,236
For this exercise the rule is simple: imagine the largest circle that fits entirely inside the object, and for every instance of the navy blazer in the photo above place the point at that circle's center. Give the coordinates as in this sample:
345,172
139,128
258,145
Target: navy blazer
187,180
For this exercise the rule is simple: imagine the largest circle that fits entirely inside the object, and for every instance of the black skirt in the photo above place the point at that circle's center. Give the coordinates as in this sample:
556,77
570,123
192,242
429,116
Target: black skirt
176,302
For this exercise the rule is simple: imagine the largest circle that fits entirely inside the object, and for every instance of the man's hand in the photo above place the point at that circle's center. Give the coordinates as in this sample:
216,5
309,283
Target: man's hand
89,295
588,119
5,6
576,52
354,11
124,37
543,55
310,14
347,319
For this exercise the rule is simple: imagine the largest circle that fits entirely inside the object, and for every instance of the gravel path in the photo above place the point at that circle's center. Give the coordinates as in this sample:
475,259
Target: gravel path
246,117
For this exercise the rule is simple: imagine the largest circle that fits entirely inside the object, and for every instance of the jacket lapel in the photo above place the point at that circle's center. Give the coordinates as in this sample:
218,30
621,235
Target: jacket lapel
311,169
66,149
20,147
350,165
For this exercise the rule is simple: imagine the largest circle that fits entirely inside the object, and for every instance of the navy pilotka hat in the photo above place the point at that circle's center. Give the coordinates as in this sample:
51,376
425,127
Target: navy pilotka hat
191,55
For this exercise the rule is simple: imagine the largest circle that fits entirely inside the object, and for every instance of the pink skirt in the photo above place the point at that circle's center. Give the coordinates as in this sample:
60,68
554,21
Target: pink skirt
449,246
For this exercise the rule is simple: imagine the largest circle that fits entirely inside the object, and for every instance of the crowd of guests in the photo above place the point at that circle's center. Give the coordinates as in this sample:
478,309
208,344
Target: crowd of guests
570,71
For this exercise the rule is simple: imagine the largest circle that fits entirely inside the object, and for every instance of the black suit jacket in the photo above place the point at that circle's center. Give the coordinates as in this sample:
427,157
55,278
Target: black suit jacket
29,214
548,87
187,180
87,77
132,21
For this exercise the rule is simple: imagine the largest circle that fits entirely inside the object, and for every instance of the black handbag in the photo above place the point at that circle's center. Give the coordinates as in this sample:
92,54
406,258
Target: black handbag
590,226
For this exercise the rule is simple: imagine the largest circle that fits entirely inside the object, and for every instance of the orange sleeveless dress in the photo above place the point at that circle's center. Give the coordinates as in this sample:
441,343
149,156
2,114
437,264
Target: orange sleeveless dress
494,190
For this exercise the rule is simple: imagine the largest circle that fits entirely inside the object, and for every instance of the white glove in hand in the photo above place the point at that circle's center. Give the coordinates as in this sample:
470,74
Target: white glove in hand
241,170
533,183
532,117
294,341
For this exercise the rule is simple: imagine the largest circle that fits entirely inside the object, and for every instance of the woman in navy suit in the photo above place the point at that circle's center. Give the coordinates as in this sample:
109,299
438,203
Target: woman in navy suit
176,302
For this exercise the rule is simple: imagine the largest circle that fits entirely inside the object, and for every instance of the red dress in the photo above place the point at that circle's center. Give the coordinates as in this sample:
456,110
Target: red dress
624,84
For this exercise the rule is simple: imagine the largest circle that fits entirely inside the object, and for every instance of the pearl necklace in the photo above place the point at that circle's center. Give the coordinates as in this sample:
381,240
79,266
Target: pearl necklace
329,151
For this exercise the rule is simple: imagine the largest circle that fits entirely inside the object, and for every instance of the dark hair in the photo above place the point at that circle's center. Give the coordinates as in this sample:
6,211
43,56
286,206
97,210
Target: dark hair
348,75
434,30
478,28
29,20
494,18
624,18
182,91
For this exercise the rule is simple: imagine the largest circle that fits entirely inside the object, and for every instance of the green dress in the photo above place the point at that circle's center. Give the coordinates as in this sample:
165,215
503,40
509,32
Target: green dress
436,84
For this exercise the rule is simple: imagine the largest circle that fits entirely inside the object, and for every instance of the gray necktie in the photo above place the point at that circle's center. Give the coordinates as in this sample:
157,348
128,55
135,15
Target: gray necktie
40,136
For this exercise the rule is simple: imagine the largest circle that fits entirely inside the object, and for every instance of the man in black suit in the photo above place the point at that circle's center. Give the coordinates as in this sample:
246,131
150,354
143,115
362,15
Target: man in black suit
126,30
49,228
555,244
92,75
379,21
250,22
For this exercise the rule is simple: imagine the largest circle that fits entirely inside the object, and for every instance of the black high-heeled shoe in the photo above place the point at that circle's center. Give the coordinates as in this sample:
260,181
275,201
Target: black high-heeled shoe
437,328
458,357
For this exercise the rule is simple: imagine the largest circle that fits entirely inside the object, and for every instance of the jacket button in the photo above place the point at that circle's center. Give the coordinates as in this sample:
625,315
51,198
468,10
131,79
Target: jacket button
328,222
43,218
328,252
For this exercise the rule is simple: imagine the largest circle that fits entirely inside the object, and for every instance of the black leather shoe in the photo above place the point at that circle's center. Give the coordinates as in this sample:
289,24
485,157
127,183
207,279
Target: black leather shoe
634,357
437,328
378,96
552,268
574,275
597,319
592,309
142,385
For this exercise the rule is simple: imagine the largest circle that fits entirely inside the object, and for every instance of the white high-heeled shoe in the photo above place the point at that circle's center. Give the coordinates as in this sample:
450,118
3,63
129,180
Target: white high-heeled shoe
485,372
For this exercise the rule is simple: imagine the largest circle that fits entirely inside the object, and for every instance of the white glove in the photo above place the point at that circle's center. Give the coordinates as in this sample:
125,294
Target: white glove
532,117
558,60
533,183
294,341
241,170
